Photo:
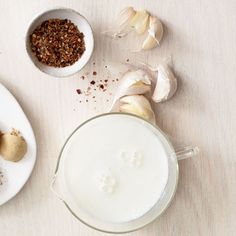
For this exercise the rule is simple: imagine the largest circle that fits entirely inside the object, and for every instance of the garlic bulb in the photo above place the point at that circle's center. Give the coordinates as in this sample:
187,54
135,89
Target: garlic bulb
155,33
124,17
133,83
12,146
166,84
140,21
137,105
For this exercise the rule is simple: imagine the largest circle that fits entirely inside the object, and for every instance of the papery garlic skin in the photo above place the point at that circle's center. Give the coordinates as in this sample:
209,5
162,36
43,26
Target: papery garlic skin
155,34
124,17
118,69
166,84
140,21
137,105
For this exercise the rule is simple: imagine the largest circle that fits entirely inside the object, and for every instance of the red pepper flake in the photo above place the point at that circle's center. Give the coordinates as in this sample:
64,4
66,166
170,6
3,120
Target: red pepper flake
78,91
92,82
57,43
101,86
94,73
106,80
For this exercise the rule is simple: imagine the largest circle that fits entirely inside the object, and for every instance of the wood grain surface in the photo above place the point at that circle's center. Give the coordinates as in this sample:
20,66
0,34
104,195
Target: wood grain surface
200,36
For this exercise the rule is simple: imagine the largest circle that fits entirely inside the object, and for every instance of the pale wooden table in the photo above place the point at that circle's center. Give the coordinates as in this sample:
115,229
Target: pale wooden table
201,36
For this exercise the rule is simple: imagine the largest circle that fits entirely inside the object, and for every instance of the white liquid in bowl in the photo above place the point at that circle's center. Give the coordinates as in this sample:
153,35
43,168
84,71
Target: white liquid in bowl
116,168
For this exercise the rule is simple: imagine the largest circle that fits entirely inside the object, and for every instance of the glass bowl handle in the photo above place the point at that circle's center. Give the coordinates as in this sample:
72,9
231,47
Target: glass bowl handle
186,152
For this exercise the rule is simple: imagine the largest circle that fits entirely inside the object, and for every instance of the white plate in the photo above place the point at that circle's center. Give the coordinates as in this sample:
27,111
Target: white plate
15,174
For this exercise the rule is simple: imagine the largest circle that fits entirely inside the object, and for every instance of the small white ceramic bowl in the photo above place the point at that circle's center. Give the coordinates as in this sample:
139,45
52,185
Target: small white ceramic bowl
83,26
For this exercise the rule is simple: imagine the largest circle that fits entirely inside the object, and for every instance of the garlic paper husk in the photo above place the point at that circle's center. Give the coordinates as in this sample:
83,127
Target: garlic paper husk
118,69
122,27
132,83
140,21
155,34
166,84
124,17
137,105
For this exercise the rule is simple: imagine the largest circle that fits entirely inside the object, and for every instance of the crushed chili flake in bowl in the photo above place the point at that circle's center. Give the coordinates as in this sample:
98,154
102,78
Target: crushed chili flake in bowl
57,42
60,42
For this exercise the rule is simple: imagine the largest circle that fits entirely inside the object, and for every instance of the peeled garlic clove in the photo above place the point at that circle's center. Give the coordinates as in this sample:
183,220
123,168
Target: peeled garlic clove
133,82
155,33
149,43
166,84
155,29
12,146
125,16
140,21
137,105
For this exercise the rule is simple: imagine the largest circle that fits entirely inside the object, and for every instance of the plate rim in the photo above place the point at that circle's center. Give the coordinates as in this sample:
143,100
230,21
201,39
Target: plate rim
34,143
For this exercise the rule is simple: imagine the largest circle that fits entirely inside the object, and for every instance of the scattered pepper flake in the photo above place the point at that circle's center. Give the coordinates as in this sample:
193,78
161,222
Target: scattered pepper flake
127,60
92,82
82,77
94,73
106,80
78,91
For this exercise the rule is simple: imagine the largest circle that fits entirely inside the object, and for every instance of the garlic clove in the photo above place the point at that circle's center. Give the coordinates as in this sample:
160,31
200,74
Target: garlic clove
166,84
155,29
149,43
137,105
125,16
140,21
133,82
155,33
